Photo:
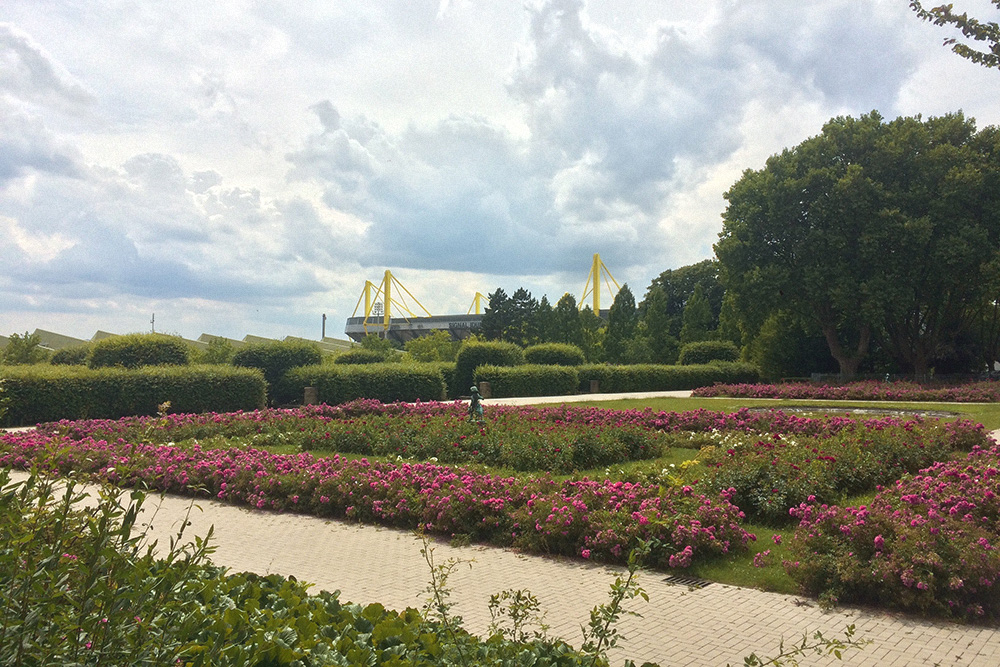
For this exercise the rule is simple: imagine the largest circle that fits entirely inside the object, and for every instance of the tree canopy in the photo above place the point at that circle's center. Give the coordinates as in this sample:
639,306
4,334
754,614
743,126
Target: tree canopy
869,230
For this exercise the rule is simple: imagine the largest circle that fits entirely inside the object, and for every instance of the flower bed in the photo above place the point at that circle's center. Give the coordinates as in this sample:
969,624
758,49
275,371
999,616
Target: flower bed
598,519
306,427
772,475
975,392
930,542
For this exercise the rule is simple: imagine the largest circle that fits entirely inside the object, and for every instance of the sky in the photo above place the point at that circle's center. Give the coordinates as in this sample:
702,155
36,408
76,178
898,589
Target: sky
243,167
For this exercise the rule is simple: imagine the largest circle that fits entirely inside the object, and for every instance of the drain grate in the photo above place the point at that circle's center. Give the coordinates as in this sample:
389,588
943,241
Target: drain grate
690,582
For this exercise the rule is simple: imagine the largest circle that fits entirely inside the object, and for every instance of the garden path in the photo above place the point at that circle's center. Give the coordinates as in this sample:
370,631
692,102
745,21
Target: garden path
715,625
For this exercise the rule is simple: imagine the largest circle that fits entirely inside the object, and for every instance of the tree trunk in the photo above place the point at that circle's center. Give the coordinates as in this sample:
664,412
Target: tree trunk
849,362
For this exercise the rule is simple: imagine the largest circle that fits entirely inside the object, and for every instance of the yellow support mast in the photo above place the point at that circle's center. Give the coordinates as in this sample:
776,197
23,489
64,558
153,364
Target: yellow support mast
593,287
477,304
384,290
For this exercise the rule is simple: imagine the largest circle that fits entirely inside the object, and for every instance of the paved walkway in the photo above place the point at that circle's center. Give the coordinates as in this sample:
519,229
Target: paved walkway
716,625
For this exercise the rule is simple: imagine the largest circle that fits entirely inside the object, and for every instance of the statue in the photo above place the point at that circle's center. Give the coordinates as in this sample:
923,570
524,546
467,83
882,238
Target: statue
476,405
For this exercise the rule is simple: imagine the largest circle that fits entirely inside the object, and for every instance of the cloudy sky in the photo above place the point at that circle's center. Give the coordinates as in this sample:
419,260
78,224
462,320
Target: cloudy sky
241,166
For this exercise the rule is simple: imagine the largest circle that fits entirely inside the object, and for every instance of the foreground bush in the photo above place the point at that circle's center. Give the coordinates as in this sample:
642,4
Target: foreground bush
528,380
135,350
655,377
928,543
869,390
386,382
50,393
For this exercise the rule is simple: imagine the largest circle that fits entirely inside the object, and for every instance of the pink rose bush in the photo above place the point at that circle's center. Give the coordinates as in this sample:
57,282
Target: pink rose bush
870,390
539,514
930,542
772,475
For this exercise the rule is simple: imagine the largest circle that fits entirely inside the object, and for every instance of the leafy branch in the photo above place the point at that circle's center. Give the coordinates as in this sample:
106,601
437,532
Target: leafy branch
971,28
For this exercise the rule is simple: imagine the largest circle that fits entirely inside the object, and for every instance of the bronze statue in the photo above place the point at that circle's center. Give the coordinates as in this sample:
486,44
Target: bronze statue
476,405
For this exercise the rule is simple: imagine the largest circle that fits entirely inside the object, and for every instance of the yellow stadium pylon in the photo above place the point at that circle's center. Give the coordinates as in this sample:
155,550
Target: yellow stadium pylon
477,304
371,294
593,286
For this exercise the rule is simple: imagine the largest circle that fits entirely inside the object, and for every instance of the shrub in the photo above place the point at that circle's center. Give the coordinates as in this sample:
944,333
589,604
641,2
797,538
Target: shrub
80,585
70,356
275,359
867,390
360,356
50,393
135,350
653,377
219,351
706,351
768,477
927,543
555,354
387,382
479,353
24,349
528,380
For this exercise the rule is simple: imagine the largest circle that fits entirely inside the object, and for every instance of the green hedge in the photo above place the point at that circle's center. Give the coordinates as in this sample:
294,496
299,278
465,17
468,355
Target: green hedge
49,393
70,356
707,351
275,359
360,356
529,380
489,353
387,382
653,377
555,354
135,350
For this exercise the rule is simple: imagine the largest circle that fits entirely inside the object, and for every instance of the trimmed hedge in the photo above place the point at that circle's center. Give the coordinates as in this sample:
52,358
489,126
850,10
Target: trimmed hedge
70,356
555,354
489,353
529,380
707,351
135,350
277,358
386,382
653,377
49,393
359,356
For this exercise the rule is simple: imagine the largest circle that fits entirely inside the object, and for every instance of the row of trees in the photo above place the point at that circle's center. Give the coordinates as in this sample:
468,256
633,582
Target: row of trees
872,247
681,306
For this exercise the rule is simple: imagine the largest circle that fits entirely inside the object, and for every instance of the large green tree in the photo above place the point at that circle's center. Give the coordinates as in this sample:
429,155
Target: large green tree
870,229
972,29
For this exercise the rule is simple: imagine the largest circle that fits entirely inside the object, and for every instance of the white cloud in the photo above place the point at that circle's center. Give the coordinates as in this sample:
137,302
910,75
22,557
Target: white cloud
255,164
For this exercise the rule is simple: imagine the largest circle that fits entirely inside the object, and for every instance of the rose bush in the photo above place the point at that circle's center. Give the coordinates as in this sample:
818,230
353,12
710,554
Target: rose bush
930,542
541,514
